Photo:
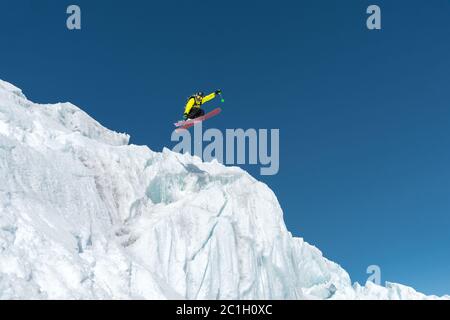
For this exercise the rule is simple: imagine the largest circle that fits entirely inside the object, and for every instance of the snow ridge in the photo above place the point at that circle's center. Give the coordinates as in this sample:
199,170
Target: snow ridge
85,215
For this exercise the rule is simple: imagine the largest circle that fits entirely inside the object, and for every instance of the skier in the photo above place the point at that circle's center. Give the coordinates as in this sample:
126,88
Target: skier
193,106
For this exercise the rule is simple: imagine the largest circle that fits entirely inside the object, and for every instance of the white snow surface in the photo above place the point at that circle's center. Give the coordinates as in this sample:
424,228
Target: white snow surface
86,215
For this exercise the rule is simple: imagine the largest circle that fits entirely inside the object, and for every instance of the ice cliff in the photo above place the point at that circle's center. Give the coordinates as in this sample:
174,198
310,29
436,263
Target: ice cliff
86,215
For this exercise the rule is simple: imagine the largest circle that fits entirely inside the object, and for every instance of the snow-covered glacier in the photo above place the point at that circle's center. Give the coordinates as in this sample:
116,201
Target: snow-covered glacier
86,215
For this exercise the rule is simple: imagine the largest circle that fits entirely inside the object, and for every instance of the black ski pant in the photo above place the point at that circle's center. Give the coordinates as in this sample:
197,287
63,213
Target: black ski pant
195,113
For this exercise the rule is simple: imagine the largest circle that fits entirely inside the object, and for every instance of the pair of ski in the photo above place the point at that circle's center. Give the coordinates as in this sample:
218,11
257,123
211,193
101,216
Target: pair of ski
183,125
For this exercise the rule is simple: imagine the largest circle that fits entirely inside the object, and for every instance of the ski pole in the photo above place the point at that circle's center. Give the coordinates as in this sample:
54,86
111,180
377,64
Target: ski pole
221,98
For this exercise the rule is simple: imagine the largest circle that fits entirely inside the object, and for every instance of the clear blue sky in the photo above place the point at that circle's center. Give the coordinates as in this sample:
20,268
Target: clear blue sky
364,116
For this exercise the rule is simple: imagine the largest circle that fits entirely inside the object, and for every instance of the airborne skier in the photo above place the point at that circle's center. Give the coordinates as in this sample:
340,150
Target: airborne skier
193,107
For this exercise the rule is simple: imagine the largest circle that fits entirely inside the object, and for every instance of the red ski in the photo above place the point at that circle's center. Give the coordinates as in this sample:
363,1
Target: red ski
189,123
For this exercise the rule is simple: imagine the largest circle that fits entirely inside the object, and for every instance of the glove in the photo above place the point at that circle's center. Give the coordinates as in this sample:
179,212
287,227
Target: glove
218,92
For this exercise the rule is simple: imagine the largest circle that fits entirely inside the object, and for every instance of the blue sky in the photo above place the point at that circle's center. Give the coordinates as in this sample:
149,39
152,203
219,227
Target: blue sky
364,116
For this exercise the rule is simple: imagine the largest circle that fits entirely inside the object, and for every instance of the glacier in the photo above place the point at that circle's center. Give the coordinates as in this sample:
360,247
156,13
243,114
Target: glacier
86,215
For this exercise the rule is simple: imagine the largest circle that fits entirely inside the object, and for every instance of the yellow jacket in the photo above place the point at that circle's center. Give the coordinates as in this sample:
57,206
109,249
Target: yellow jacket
194,104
